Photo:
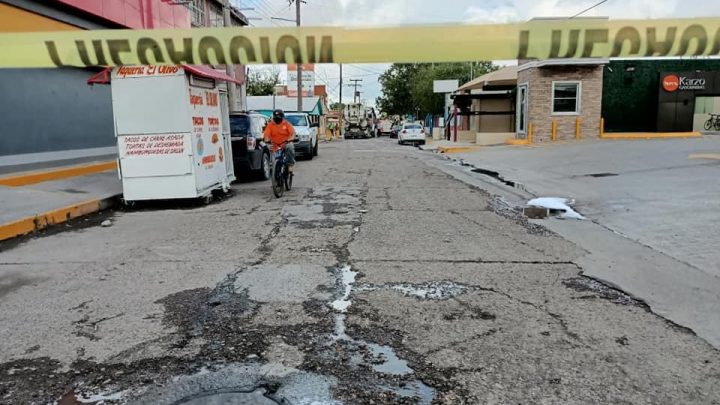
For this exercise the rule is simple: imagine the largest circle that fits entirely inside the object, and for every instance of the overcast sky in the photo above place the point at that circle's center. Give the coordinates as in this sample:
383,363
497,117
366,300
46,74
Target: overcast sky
401,12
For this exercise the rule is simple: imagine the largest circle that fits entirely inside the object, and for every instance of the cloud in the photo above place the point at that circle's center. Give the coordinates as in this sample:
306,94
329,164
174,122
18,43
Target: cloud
522,10
399,12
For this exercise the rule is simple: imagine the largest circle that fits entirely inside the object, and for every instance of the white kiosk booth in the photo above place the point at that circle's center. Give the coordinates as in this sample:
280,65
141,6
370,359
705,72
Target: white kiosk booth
173,132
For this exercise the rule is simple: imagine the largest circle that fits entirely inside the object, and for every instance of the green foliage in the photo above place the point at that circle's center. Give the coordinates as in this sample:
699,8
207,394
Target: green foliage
262,82
408,88
337,106
396,97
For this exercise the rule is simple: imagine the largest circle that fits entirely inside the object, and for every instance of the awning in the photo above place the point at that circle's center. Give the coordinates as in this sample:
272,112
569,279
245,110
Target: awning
506,76
198,70
564,62
204,71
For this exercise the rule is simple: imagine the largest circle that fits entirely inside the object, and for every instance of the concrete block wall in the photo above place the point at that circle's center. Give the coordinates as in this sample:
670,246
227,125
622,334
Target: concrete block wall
540,101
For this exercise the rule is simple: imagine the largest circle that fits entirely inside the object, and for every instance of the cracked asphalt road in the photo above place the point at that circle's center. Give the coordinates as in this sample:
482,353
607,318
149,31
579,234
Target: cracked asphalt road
377,279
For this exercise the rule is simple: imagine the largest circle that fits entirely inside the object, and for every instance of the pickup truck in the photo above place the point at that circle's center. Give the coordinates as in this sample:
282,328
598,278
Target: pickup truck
307,134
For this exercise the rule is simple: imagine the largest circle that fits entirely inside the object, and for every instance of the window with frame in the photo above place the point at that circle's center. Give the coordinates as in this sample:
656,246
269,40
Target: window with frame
197,12
566,97
216,16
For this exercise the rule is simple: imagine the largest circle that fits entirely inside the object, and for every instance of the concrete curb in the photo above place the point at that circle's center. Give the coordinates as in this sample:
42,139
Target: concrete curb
457,149
24,179
518,142
650,135
54,217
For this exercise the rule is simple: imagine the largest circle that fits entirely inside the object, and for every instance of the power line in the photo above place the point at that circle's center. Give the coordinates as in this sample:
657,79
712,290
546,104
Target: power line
261,9
366,69
589,8
262,4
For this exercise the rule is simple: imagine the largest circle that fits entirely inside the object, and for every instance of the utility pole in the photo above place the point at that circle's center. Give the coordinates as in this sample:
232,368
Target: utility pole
299,65
355,85
341,124
229,69
341,83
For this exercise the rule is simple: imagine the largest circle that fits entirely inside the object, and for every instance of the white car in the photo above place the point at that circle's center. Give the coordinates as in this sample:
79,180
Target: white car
307,134
413,133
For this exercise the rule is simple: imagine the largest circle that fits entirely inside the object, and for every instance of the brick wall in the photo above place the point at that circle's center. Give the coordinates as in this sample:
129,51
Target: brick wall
540,101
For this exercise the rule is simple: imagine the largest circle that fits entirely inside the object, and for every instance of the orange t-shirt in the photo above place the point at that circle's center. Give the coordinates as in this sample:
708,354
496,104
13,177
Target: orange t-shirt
278,133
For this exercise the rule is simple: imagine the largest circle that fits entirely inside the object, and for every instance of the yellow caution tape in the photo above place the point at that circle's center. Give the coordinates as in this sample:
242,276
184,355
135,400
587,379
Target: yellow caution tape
542,39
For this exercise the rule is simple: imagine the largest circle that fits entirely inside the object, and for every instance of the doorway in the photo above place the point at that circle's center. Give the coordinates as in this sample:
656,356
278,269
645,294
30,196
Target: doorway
522,111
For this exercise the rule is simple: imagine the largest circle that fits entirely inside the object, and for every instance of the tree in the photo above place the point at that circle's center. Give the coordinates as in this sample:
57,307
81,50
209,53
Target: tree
396,97
262,82
409,88
337,106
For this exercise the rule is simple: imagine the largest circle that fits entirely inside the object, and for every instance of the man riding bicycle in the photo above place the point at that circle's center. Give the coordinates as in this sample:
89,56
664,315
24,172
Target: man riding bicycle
280,133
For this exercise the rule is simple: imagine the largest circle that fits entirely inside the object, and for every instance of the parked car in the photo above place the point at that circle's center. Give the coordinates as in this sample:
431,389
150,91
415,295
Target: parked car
413,133
250,154
306,132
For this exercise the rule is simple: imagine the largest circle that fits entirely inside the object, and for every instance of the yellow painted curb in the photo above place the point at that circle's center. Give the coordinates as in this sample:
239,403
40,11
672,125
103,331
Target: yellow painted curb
711,156
44,220
650,135
27,178
517,142
457,149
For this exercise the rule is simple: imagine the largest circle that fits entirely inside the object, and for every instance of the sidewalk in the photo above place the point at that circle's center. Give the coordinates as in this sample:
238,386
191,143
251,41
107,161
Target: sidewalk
658,196
34,200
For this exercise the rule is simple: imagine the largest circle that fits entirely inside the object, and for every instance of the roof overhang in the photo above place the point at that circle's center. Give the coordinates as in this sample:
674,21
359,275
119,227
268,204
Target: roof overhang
505,76
548,63
209,73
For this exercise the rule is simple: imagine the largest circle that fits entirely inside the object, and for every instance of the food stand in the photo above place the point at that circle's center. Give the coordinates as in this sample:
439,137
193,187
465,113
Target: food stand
173,132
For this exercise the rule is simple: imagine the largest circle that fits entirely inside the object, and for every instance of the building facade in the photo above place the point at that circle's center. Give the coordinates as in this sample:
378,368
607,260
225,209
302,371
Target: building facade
660,95
560,97
51,115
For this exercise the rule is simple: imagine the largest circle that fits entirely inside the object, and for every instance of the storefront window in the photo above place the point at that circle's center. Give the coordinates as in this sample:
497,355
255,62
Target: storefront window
566,98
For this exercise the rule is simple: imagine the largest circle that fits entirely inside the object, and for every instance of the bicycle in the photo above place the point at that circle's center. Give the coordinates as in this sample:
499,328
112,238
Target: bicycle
714,121
281,178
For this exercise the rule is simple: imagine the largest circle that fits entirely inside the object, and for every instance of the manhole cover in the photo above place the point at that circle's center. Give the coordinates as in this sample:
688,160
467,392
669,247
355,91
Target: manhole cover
601,175
256,397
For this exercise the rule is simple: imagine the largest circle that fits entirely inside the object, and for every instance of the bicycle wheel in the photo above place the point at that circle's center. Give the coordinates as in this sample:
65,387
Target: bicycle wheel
288,181
709,124
717,124
277,180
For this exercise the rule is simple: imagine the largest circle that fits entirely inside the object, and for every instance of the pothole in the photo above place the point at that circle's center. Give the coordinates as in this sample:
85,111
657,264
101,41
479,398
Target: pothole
257,397
381,359
347,278
249,383
599,290
494,175
601,175
435,290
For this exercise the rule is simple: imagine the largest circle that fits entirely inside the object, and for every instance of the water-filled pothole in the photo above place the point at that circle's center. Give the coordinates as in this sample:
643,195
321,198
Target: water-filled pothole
434,290
381,359
257,397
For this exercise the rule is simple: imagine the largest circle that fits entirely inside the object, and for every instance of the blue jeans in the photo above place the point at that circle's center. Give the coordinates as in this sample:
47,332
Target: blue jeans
290,153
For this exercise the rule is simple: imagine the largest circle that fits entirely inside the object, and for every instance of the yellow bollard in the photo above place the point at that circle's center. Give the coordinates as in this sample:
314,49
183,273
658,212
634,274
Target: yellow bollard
577,128
553,130
530,132
602,127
